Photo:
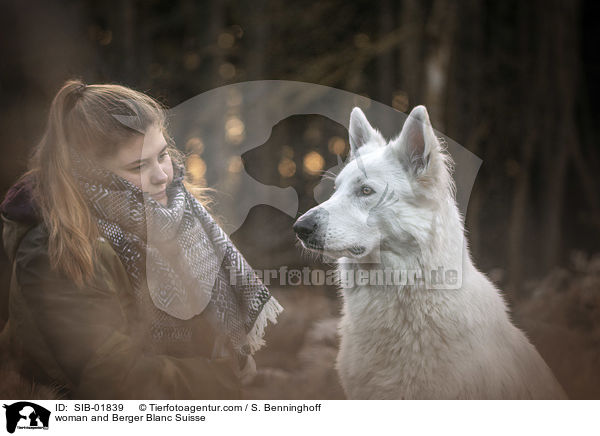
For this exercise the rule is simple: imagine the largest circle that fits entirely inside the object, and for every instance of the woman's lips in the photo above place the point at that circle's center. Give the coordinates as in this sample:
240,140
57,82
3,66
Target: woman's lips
160,196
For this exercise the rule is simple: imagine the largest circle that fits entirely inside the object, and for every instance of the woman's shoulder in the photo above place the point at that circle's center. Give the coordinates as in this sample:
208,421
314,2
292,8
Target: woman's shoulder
32,246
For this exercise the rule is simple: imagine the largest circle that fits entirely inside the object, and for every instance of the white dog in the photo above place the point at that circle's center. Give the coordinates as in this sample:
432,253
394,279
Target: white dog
439,329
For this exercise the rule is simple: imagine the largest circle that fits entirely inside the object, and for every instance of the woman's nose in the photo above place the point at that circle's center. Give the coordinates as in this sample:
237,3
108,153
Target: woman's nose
158,176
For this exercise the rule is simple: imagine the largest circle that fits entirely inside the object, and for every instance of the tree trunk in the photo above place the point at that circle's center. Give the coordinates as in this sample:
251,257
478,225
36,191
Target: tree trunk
385,61
411,52
440,29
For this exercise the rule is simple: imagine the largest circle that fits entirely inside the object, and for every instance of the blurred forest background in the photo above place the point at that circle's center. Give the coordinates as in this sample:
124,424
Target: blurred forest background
515,82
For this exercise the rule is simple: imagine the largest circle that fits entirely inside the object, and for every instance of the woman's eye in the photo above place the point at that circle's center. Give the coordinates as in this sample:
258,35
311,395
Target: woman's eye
366,190
163,156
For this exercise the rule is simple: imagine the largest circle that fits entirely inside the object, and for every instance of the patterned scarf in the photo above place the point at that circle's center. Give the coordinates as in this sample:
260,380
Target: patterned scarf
180,257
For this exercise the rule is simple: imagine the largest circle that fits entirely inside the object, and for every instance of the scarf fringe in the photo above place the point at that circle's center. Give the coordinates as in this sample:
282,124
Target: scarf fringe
269,312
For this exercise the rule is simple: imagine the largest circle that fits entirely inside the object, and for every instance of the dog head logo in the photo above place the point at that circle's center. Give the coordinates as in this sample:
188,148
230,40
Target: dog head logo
242,117
26,415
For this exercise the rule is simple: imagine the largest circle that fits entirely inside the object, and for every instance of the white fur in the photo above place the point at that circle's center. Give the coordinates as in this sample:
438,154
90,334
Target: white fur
411,341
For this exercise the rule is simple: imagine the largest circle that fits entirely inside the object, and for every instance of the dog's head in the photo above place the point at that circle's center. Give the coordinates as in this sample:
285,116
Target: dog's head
386,196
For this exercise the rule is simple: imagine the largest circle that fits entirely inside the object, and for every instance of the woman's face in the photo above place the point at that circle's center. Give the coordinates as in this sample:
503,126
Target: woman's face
144,162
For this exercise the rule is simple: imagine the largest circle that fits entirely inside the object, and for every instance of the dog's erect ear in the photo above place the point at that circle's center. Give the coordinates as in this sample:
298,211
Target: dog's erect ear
416,141
360,131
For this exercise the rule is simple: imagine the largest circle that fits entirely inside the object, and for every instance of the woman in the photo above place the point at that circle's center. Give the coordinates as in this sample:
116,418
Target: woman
122,281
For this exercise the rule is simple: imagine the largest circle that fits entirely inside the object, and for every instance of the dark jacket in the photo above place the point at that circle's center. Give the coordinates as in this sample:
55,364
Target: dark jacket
87,339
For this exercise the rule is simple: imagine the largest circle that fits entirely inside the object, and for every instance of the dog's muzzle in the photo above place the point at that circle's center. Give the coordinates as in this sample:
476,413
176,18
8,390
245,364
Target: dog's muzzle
307,227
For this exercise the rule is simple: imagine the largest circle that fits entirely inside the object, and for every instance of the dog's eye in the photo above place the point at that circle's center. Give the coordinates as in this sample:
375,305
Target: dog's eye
366,190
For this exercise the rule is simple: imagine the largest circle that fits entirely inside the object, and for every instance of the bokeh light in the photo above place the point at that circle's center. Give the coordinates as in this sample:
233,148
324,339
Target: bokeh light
194,145
286,167
227,71
336,145
196,169
313,163
312,134
234,130
225,40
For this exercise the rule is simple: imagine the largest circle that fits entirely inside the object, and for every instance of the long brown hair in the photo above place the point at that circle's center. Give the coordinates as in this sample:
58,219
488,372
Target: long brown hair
87,119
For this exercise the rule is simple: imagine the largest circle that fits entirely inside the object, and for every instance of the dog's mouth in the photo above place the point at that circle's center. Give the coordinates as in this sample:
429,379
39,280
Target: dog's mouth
312,245
354,250
357,250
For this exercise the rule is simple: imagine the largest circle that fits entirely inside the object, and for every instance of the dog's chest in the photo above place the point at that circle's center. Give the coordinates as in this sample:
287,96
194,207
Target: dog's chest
389,342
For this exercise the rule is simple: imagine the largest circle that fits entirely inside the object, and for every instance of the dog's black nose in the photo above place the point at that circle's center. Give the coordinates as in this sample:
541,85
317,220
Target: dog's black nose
306,225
